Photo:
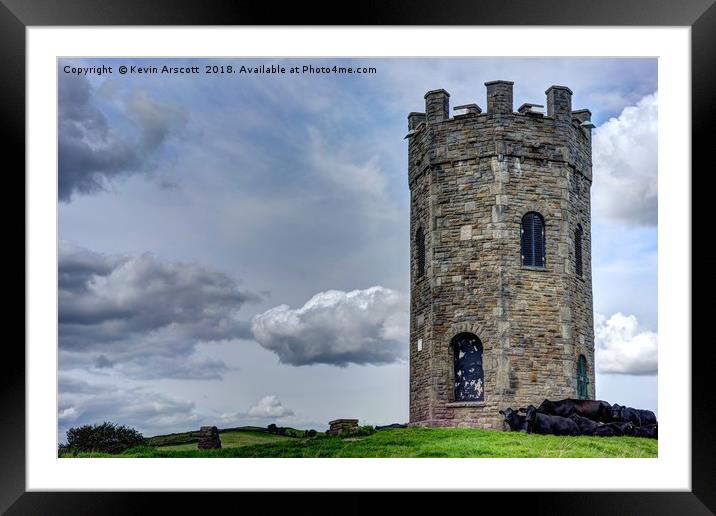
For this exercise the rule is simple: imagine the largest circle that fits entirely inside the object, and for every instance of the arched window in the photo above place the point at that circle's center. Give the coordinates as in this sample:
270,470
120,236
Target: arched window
578,250
420,250
582,378
532,240
469,376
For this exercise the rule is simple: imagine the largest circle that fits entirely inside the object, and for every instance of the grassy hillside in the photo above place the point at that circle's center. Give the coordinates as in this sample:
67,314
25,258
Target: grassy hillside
409,442
193,436
232,439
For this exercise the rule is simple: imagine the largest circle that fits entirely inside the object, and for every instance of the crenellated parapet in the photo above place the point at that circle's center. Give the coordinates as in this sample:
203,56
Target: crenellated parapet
559,135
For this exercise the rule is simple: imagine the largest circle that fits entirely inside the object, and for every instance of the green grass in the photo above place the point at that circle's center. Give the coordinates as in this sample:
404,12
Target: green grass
409,442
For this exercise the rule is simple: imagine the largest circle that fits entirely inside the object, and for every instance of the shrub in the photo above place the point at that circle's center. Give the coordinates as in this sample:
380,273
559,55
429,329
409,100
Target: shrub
107,437
284,430
359,432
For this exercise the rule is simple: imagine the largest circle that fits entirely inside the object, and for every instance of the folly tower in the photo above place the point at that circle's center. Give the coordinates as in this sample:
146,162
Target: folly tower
501,282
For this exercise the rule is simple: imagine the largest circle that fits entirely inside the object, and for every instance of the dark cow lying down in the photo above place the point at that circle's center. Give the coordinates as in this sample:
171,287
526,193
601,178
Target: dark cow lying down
622,427
647,417
626,414
517,422
605,431
539,423
589,427
596,410
582,417
649,431
638,417
586,425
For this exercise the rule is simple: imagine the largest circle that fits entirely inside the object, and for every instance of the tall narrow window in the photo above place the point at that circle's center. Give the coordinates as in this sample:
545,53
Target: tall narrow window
420,250
582,378
578,250
532,241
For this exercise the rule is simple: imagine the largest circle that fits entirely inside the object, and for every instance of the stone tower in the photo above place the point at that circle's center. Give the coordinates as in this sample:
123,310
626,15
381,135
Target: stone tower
501,282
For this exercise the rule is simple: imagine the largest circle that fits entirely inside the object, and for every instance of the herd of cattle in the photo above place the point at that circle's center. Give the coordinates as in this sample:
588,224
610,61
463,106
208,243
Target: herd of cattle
582,417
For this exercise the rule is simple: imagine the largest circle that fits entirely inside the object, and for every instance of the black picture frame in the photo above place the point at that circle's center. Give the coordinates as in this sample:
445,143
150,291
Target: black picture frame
700,15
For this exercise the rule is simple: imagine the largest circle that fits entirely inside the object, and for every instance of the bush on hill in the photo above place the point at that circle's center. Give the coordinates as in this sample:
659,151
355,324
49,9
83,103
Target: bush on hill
361,431
107,437
285,430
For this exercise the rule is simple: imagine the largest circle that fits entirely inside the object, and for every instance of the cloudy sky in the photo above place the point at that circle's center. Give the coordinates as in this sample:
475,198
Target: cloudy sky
234,248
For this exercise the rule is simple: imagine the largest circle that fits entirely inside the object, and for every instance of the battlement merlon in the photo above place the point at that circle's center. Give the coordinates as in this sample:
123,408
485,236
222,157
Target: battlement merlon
437,106
499,97
415,119
559,102
583,118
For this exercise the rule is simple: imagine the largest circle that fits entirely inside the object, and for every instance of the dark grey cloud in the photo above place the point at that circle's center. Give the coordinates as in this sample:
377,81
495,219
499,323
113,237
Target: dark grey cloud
145,316
338,328
78,266
69,385
92,152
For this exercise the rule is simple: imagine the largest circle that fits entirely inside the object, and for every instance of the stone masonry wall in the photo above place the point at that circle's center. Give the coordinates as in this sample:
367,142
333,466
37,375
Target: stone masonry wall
472,178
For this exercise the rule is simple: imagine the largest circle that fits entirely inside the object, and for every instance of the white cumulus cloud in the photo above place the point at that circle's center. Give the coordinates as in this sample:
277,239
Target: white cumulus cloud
622,348
335,327
269,406
624,151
